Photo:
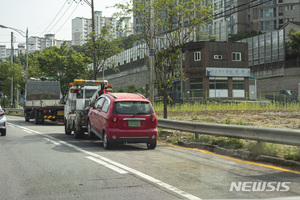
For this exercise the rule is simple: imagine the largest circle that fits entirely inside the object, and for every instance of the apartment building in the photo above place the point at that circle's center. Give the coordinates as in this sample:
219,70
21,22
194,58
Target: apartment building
82,27
233,16
273,14
2,52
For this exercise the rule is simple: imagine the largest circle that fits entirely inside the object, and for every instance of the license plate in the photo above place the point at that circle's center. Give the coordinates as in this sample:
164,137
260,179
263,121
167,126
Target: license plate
134,123
60,112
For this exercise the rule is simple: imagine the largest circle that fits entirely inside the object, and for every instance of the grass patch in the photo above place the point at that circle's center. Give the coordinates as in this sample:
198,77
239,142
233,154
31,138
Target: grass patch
15,113
228,143
228,106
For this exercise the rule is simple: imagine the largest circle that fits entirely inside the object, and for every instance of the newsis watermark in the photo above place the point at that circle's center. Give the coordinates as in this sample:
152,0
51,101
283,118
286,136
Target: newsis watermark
259,186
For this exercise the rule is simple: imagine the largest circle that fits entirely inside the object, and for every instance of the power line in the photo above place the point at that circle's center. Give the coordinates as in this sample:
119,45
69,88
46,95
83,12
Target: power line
225,11
54,18
68,18
233,8
61,16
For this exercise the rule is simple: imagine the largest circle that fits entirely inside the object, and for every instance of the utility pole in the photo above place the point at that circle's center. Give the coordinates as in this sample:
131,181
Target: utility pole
151,54
93,40
27,54
11,65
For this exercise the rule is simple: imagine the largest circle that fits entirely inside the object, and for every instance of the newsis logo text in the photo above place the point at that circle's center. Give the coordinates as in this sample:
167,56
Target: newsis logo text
259,186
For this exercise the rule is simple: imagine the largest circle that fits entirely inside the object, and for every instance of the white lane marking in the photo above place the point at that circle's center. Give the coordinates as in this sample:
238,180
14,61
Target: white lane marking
133,171
27,131
52,141
121,171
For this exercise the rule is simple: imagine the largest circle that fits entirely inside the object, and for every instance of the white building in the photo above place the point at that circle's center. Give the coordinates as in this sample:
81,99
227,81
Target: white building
39,43
124,28
82,27
2,52
34,44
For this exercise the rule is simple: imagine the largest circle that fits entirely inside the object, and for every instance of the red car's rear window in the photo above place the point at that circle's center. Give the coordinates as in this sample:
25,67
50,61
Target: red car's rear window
132,107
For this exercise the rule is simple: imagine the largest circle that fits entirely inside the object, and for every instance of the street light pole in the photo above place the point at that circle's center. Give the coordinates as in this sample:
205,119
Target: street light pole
12,66
26,55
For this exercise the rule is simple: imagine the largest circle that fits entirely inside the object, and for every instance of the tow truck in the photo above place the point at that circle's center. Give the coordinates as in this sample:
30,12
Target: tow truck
77,103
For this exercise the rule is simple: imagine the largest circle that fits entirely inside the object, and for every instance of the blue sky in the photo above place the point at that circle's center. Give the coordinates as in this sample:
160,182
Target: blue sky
37,15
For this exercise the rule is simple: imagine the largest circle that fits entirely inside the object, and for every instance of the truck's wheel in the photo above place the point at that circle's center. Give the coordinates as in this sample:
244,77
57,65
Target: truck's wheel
26,117
36,120
38,117
67,131
78,134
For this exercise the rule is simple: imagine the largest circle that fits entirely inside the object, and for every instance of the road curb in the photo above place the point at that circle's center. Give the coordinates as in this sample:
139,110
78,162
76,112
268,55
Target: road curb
239,153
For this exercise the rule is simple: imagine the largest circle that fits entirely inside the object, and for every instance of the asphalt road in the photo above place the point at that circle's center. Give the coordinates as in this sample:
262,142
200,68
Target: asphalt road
41,162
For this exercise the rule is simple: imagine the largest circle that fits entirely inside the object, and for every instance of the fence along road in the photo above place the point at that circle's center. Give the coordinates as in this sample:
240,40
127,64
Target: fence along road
274,135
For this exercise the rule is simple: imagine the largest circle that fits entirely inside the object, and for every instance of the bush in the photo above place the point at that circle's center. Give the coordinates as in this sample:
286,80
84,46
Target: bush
262,148
293,155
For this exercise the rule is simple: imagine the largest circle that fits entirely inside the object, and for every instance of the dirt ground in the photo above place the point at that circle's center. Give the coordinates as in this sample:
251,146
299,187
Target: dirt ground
263,118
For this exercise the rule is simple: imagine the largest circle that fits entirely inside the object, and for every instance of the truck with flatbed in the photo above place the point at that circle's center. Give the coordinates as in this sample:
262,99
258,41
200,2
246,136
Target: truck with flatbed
77,104
42,100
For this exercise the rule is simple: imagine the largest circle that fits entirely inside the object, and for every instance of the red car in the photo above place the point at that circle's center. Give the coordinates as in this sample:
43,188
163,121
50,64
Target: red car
123,118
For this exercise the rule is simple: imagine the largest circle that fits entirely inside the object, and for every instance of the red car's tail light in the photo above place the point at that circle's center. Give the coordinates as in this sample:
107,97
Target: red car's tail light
114,118
153,118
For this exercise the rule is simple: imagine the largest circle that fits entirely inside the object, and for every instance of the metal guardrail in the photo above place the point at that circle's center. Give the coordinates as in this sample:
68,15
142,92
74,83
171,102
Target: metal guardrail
14,109
273,135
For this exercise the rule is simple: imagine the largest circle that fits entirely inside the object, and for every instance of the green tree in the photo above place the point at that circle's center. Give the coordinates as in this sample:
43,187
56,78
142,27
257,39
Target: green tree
5,78
127,42
106,47
33,65
243,35
56,62
293,44
175,22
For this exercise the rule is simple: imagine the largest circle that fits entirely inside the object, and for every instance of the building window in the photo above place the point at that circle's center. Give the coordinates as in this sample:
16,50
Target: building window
267,25
280,1
267,12
218,87
197,56
217,56
238,87
196,87
280,11
236,56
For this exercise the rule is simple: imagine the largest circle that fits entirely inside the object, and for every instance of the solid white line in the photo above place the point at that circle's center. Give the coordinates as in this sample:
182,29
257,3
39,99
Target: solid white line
121,166
121,171
27,131
52,141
